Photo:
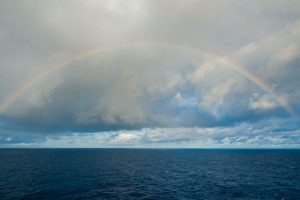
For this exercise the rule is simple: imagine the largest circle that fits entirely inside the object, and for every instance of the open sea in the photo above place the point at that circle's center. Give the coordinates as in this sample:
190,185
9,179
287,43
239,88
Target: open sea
149,174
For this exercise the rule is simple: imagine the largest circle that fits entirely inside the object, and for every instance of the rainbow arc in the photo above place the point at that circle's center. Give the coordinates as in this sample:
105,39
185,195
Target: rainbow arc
243,71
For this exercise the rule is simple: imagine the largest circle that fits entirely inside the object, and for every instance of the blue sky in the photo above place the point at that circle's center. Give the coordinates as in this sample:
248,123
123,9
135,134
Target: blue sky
160,82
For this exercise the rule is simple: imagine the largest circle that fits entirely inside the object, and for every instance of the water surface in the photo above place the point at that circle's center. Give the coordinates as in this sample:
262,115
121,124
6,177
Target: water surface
149,174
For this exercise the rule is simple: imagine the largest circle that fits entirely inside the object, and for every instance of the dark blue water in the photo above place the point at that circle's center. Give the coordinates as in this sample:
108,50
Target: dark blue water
149,174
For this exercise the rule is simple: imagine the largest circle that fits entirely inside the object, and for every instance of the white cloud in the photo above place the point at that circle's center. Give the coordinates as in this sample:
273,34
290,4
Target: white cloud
239,136
126,138
262,103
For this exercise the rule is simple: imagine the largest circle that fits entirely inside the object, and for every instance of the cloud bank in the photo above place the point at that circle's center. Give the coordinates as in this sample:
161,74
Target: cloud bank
162,73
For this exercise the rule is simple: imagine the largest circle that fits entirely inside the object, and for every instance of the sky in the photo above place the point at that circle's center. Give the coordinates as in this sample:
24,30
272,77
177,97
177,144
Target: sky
150,73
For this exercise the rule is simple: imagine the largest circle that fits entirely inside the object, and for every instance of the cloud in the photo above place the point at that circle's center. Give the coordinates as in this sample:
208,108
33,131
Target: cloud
245,135
152,78
125,138
263,103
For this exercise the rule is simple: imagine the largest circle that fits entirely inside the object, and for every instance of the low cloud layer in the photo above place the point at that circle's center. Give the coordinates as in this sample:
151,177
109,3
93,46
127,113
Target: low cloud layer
161,71
241,136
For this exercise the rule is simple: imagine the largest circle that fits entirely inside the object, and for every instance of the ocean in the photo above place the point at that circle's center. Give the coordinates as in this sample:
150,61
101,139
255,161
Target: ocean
149,174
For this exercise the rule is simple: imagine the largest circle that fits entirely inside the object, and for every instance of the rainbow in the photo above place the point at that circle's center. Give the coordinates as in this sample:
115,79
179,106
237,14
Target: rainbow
12,97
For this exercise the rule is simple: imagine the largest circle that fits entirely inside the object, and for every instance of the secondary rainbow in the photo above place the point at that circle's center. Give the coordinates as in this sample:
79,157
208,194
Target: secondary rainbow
12,97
